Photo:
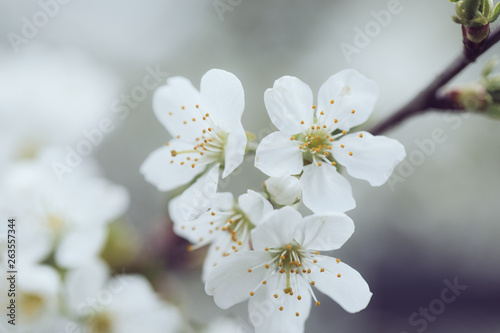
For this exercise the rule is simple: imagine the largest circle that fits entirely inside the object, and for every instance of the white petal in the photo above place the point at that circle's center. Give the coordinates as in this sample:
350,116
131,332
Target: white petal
373,157
278,228
96,201
175,103
225,96
161,318
220,246
85,282
131,293
39,279
350,90
166,176
199,228
324,190
231,283
37,243
278,156
234,149
44,282
255,206
288,103
79,246
197,198
326,232
225,325
350,290
264,313
285,190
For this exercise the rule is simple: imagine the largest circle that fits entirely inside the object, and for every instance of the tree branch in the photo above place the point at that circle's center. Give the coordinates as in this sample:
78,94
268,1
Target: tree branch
428,98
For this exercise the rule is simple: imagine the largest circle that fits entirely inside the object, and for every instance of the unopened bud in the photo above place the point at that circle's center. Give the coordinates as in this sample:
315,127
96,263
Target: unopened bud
475,17
284,190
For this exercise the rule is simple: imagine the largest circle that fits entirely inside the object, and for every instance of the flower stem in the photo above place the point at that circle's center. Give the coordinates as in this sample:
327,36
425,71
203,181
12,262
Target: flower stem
429,98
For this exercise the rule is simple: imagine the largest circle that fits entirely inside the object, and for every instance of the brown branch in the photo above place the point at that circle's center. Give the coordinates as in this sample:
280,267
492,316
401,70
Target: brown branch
428,98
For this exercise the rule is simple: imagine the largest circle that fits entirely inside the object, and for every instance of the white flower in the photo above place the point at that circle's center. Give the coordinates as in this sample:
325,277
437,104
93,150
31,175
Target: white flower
37,295
69,218
122,304
312,139
206,127
279,273
226,226
284,190
68,96
224,325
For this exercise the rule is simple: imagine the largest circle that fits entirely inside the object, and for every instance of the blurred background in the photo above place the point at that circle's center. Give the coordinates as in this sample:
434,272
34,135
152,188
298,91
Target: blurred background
439,220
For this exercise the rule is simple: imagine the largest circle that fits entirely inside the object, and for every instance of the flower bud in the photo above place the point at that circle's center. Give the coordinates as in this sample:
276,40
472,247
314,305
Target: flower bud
483,96
475,17
284,190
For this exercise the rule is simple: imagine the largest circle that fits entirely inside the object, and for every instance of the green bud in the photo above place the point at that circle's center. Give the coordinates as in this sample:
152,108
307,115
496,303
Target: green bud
475,16
470,7
473,97
495,13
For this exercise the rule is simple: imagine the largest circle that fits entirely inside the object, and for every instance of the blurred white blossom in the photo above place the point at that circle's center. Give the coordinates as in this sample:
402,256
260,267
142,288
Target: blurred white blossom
49,97
68,218
120,304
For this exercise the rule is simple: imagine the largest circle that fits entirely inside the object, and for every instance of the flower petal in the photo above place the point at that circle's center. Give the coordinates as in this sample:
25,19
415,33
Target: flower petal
324,190
84,282
175,103
234,149
288,103
278,156
80,245
255,206
326,232
198,230
96,201
225,96
197,198
219,250
230,282
132,293
277,229
159,171
349,290
349,90
37,242
264,313
373,157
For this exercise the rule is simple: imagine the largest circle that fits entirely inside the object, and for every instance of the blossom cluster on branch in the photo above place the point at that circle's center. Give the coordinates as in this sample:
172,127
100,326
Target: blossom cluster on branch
260,247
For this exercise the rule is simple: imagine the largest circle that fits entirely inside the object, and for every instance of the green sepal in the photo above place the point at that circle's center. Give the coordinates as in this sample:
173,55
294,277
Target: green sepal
496,12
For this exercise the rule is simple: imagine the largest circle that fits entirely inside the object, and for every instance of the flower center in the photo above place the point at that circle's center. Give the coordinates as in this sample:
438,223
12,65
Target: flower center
31,305
316,145
293,264
208,147
101,323
233,223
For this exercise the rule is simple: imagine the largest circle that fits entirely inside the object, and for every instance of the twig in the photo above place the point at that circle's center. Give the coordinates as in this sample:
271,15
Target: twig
428,98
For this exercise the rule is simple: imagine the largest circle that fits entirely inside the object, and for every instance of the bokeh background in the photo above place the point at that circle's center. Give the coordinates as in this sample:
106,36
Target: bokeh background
441,222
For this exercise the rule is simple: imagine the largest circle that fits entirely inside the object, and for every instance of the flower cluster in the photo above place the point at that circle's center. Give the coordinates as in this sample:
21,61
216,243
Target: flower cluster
260,247
65,280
